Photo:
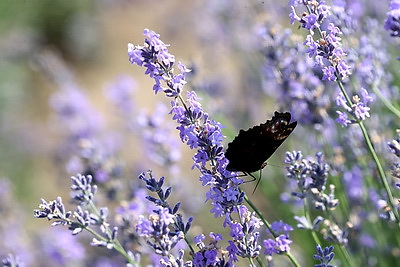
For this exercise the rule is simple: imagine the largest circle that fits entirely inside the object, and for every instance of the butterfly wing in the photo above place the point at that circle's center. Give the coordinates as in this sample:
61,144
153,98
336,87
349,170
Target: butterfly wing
244,152
275,132
251,148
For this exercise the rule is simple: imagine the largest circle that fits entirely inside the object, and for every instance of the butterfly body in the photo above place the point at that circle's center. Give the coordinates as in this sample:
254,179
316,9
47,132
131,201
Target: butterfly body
251,148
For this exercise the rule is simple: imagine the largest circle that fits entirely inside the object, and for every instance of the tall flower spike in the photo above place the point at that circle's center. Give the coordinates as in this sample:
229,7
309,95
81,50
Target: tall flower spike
326,48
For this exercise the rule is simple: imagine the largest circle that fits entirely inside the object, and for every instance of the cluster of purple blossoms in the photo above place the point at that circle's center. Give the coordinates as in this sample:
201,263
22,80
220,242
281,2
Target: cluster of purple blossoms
327,50
311,176
164,228
358,109
211,254
281,242
392,23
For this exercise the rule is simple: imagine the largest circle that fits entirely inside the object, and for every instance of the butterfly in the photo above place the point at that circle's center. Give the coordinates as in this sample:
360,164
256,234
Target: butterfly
249,151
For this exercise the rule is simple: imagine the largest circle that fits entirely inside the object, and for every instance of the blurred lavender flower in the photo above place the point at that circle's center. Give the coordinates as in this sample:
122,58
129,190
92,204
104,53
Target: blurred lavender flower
381,205
60,248
354,185
281,227
392,23
73,108
84,148
324,256
334,233
16,246
303,223
86,216
291,80
394,145
120,93
160,146
311,176
12,261
82,190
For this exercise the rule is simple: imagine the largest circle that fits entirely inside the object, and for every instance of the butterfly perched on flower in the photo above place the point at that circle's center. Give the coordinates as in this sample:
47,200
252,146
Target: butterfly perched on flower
249,150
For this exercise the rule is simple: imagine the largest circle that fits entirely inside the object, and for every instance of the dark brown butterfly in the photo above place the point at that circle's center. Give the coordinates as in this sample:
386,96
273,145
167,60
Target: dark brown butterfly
250,149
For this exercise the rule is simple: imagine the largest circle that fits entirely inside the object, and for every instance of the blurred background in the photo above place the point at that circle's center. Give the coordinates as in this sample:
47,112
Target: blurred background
70,102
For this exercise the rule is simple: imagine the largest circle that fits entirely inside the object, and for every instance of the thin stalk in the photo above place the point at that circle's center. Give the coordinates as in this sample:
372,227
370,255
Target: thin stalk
307,215
386,102
374,156
346,255
117,245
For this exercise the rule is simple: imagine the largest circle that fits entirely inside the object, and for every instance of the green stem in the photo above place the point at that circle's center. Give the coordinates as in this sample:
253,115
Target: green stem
346,256
374,156
386,102
260,262
117,245
307,215
381,172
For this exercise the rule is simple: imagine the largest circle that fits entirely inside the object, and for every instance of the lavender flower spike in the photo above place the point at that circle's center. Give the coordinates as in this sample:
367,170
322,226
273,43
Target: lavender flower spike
327,49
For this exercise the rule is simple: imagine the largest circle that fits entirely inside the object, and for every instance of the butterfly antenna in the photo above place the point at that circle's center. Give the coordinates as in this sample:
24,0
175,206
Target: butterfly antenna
258,182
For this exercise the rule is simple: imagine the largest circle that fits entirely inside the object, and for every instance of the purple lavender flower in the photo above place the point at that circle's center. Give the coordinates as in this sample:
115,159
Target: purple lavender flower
196,129
278,245
81,188
358,109
343,119
120,94
392,23
198,240
327,50
53,210
157,232
164,228
210,254
155,57
394,147
324,256
281,227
